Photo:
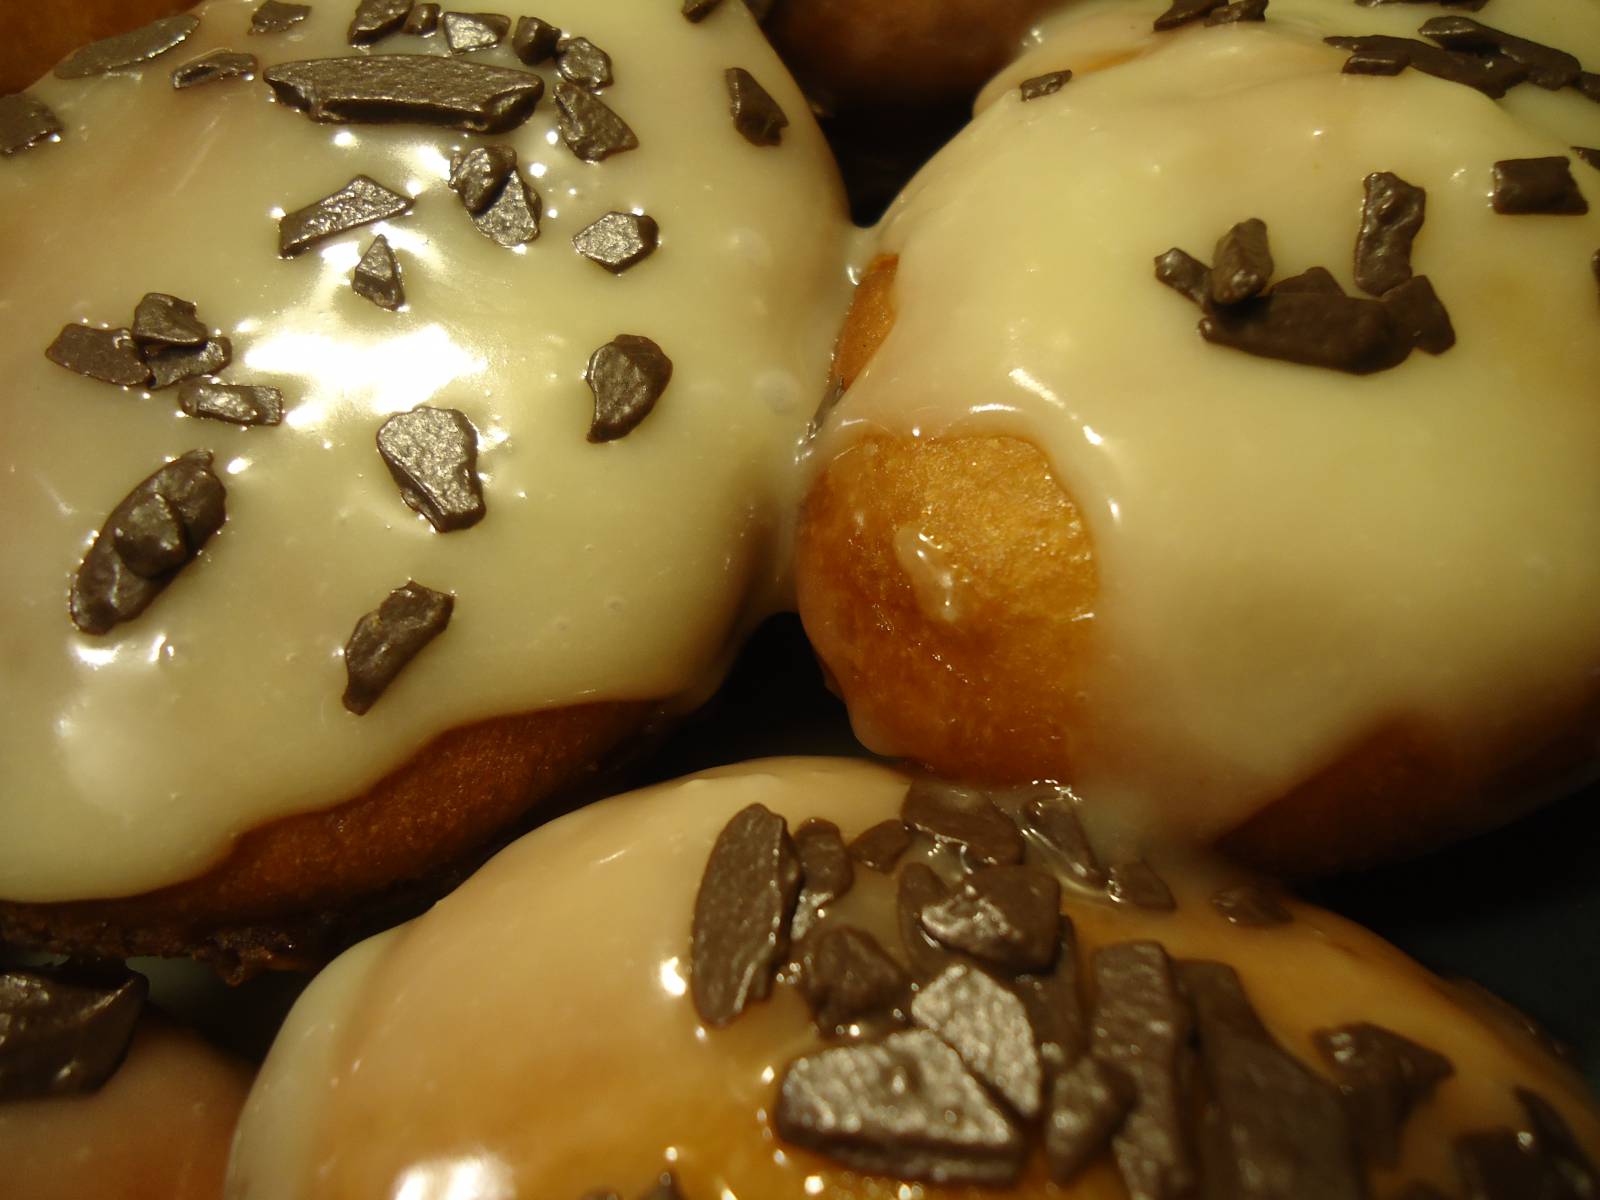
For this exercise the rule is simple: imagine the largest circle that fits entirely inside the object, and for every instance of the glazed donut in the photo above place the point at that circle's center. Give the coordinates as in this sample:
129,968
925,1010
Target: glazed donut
342,521
1316,579
656,1039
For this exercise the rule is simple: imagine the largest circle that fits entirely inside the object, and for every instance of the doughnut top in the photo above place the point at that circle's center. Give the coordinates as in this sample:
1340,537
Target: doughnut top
576,1063
331,324
1361,503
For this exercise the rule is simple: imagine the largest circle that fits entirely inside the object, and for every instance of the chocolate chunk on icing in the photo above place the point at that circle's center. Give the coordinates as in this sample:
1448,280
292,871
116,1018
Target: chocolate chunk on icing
1588,85
1379,54
1341,333
1141,1026
699,10
741,915
236,403
1312,279
881,846
274,16
512,216
1383,1077
987,1025
1494,1165
534,40
128,49
1054,1005
627,376
168,367
918,889
1285,1128
377,276
580,62
1588,154
1003,915
756,115
1087,1106
825,870
25,122
1053,827
64,1032
1242,264
1570,1172
1252,906
1469,5
432,453
1184,11
849,980
1047,84
421,89
160,320
1391,214
215,67
1239,10
588,126
618,240
1537,185
965,817
465,32
1547,67
377,19
109,355
360,202
385,641
1137,883
422,21
477,175
151,535
905,1107
1184,274
1417,309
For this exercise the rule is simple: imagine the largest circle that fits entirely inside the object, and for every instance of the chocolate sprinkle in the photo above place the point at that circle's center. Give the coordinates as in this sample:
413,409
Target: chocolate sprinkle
1317,329
920,888
422,21
25,122
423,89
741,914
1239,10
618,240
360,202
825,868
377,276
1184,11
168,367
1494,1166
987,1025
501,203
127,49
627,376
1391,214
1184,274
1243,263
1251,906
1003,915
1379,54
160,320
109,355
466,32
1047,84
881,846
756,115
849,980
590,129
1536,185
1417,309
1547,67
905,1106
377,19
965,817
432,453
579,61
274,16
1054,1006
534,40
215,67
1053,823
64,1032
386,640
1383,1076
1087,1107
151,535
236,403
1574,1173
1137,883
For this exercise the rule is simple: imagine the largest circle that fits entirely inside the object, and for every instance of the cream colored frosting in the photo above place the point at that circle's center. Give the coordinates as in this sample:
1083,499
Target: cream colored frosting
601,572
532,1035
1289,557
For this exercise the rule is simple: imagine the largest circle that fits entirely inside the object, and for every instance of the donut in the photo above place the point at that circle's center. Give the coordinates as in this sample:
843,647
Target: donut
715,979
1294,553
391,447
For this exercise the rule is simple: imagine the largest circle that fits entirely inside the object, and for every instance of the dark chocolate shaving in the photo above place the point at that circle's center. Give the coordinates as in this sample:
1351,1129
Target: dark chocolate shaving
64,1032
1537,186
905,1107
699,10
1379,54
1137,883
360,202
1570,1173
881,846
386,640
477,175
1184,11
235,403
1312,279
274,16
1417,309
741,915
432,453
422,21
825,868
1469,5
1184,274
1391,214
127,49
1316,329
918,889
627,376
987,1025
1494,1165
1054,1005
756,115
590,129
534,40
169,367
1087,1106
501,203
1383,1077
215,67
377,276
1047,84
1252,906
109,355
1239,10
160,320
963,817
421,89
151,535
377,19
849,981
1547,67
1242,264
1003,915
25,122
580,62
1588,154
465,32
618,240
1053,824
1588,85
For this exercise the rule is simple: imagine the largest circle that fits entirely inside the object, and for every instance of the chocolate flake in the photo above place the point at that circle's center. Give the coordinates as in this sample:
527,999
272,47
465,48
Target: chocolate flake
627,376
920,888
699,10
1383,1076
1054,1006
1589,155
1003,915
478,175
386,640
965,817
1537,185
741,915
1341,333
377,276
534,40
466,32
1588,85
151,535
1050,819
579,61
502,204
756,115
109,355
1379,54
1571,1172
168,367
64,1032
25,122
1243,263
1252,906
1469,5
987,1025
377,19
588,126
422,21
1087,1106
215,67
1047,84
1239,10
360,202
274,16
905,1106
1547,67
1184,11
1137,883
127,49
432,453
1417,309
1493,1165
160,320
825,868
1184,274
1312,279
236,403
422,89
618,240
881,846
1391,214
849,980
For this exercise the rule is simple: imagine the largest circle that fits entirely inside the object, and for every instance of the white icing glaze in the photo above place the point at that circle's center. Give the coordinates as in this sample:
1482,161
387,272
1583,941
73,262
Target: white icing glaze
1289,557
485,1051
600,572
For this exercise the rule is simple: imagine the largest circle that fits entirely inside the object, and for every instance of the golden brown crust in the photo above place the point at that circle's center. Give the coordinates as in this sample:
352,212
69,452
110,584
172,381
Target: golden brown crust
40,33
